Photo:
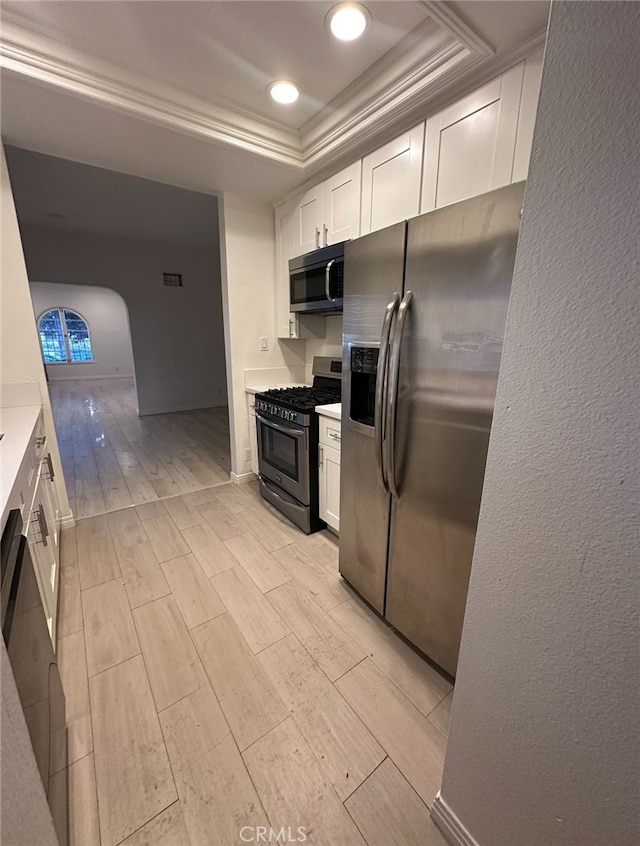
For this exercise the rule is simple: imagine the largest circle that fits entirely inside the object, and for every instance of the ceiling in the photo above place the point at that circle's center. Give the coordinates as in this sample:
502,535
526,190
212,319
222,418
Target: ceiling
175,92
63,195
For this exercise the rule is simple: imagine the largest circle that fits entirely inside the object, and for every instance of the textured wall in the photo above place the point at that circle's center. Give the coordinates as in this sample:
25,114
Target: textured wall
108,321
543,748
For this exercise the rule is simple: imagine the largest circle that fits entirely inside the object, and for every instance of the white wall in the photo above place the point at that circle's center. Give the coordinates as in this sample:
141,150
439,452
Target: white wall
249,289
177,333
544,746
331,344
106,314
20,357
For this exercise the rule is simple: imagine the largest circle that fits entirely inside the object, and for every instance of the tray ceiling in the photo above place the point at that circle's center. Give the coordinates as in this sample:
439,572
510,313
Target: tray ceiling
201,69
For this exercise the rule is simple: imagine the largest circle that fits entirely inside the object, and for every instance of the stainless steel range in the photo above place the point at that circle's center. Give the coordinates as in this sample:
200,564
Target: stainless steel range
287,428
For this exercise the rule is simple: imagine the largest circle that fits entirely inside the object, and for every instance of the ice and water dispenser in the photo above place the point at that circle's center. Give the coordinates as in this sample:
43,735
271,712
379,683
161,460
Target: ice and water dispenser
364,368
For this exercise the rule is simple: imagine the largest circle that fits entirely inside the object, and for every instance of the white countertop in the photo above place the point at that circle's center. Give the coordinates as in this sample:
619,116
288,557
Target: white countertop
333,410
17,424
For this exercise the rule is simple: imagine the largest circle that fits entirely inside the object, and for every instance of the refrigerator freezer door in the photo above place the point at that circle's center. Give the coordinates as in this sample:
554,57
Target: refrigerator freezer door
459,266
373,272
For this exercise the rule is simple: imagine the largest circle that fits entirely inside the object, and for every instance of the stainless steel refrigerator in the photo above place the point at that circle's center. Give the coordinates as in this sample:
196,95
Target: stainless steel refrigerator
425,308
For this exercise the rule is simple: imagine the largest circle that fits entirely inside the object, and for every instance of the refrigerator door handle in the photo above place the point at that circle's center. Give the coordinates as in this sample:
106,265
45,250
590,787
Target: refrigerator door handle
381,389
392,399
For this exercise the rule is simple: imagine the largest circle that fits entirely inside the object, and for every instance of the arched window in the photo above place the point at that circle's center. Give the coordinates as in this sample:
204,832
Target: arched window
64,337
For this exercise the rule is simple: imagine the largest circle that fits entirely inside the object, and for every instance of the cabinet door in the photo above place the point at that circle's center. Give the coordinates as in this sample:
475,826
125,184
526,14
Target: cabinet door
329,480
391,181
470,146
527,118
43,555
342,205
50,503
308,219
286,322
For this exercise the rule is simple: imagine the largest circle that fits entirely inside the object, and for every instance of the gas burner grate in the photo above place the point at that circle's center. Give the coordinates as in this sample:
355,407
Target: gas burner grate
303,399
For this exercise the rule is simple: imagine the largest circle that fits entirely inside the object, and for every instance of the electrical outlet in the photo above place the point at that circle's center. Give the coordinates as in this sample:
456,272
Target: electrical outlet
247,454
264,344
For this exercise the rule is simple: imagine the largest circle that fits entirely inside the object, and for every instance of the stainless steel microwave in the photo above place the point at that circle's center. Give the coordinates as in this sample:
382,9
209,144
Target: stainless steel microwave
316,280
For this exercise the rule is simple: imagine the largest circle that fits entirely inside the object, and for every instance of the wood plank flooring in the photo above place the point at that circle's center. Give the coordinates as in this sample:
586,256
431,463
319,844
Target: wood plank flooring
112,458
219,673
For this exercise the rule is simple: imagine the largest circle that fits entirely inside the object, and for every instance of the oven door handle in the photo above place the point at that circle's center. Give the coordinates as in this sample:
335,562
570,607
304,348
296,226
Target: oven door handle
380,407
293,431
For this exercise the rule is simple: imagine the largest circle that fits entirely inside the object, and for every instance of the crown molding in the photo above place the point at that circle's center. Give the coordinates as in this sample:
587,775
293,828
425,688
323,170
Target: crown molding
461,31
439,61
405,98
164,105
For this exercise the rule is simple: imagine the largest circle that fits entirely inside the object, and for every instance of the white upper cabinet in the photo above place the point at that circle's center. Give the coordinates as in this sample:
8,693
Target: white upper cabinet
470,146
527,119
479,143
342,205
329,212
286,322
391,181
308,218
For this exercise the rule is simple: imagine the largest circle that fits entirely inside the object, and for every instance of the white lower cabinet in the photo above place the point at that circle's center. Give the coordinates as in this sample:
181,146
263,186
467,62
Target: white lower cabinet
329,471
44,543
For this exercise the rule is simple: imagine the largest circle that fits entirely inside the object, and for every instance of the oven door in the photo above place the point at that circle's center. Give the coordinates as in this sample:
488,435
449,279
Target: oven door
283,456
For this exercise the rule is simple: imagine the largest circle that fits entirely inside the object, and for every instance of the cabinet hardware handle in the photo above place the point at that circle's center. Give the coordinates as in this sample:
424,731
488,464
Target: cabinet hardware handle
320,455
326,234
334,435
41,441
51,475
42,522
317,238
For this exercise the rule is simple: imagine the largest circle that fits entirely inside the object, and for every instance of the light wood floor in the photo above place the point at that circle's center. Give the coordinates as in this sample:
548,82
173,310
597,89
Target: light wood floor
112,458
220,675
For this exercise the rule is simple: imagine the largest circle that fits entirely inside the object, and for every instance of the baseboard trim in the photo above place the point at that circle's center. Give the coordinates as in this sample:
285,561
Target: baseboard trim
68,521
450,825
76,376
173,409
243,478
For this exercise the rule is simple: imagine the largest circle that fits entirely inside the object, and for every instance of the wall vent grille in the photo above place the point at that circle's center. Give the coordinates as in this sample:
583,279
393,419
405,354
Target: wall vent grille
173,280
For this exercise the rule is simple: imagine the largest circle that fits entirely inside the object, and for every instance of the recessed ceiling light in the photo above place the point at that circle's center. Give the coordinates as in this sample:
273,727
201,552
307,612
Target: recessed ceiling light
348,21
283,91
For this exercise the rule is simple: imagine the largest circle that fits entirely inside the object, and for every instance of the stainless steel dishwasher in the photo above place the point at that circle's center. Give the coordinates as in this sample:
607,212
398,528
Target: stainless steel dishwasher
33,661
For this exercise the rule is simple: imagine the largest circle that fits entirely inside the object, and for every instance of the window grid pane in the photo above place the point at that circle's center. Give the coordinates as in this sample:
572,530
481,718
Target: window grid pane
77,337
52,337
64,337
